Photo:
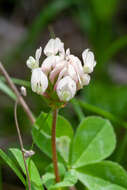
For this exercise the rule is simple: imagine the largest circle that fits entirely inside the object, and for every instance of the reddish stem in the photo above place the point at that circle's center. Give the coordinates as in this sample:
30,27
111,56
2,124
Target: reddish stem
54,153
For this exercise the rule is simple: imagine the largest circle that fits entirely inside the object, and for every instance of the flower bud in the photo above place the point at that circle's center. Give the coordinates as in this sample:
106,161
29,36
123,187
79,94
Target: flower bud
32,63
53,47
66,89
23,91
28,153
39,81
89,62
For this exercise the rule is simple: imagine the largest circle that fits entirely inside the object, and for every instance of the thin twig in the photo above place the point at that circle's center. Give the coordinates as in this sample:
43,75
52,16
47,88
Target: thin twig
21,144
54,153
15,90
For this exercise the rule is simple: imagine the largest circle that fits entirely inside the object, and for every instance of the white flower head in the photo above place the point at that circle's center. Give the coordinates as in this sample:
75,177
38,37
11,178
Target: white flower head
39,81
62,71
89,61
32,62
23,91
66,89
54,47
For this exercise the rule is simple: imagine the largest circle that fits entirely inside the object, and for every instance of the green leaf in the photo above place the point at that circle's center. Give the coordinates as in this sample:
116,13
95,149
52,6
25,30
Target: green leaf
48,180
105,175
94,141
12,165
7,90
69,180
61,168
33,171
41,161
42,135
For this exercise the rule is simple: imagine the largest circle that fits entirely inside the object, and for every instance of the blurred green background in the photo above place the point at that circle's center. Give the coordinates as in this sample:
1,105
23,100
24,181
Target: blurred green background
96,24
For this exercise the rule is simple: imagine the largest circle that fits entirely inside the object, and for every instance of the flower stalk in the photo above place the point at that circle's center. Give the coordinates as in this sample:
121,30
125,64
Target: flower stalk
54,152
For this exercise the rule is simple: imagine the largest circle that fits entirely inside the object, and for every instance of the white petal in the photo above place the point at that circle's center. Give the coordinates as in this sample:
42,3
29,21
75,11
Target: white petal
39,81
66,89
68,52
53,47
62,73
57,60
75,61
38,53
77,65
56,71
49,48
47,65
84,54
50,62
59,46
85,79
72,73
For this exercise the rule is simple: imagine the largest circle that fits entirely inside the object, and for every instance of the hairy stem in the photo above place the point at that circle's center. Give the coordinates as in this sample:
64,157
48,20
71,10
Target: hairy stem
17,93
54,153
21,144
